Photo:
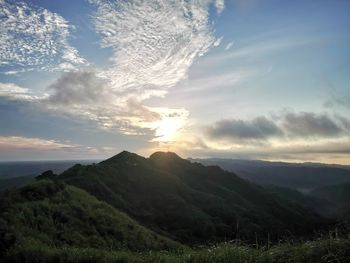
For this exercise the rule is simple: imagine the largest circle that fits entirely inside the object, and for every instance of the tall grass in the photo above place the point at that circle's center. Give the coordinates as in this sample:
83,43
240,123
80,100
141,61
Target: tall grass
320,251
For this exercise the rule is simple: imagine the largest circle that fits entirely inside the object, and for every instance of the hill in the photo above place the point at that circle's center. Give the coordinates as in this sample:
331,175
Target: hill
188,201
7,183
300,176
338,195
52,214
318,204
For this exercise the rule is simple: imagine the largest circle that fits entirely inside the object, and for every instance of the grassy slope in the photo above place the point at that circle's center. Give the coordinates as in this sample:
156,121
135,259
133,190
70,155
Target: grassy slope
320,251
53,214
190,202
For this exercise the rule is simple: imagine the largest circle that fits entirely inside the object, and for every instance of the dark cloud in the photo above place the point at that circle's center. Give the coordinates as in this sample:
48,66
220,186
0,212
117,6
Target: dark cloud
259,128
324,152
307,124
78,87
288,124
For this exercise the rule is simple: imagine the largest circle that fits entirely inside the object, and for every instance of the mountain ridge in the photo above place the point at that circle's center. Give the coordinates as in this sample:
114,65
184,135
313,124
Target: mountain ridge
187,201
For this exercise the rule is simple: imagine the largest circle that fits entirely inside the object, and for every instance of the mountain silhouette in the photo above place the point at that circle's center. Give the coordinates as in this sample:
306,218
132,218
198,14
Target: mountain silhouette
190,202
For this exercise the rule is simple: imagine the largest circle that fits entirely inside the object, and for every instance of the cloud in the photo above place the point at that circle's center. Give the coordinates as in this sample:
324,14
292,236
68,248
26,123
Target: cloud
33,38
285,136
154,42
338,98
259,128
17,142
153,45
11,91
20,147
286,127
307,124
327,151
79,87
88,95
229,45
220,5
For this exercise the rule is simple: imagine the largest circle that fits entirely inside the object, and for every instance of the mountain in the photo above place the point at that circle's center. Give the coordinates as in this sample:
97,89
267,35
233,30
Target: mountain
190,202
33,168
319,204
300,176
7,183
53,214
338,195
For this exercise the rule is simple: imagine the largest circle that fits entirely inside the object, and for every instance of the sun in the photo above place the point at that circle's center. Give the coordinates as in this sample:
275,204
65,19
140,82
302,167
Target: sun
167,129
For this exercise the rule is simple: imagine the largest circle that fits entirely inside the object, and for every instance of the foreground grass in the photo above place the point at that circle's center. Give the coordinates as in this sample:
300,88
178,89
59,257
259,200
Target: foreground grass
331,250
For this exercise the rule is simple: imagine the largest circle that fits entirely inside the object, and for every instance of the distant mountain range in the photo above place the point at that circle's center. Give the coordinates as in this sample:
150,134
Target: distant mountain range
33,168
304,177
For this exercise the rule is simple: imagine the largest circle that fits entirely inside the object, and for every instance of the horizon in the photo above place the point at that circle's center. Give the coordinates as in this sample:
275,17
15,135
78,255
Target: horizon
185,158
250,80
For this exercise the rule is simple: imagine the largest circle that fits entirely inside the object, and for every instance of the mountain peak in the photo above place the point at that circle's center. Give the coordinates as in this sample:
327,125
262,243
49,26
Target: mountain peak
165,156
124,156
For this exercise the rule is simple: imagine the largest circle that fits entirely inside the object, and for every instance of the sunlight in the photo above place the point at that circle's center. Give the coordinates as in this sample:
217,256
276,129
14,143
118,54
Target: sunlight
167,129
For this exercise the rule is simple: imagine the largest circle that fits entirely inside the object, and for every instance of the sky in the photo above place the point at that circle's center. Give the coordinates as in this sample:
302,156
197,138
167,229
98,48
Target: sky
250,79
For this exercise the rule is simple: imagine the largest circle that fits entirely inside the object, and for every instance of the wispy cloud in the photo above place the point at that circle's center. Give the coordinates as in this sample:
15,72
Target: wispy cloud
88,95
220,5
11,91
229,45
18,142
154,42
40,148
33,38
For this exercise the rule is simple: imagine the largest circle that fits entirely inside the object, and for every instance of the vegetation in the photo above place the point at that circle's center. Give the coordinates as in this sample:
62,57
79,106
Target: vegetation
8,183
303,176
319,204
53,214
190,202
161,209
320,251
338,194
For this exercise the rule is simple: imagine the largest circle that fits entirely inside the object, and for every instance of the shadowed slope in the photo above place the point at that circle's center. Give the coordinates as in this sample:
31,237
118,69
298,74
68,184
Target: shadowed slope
188,201
51,213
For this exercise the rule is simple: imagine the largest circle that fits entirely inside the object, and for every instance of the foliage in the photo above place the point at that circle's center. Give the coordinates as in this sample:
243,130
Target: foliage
338,195
320,251
55,214
190,202
299,176
131,209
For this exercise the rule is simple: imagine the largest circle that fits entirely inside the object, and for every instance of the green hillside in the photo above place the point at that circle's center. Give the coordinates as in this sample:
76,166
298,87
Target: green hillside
318,204
7,183
153,203
338,195
190,202
53,214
